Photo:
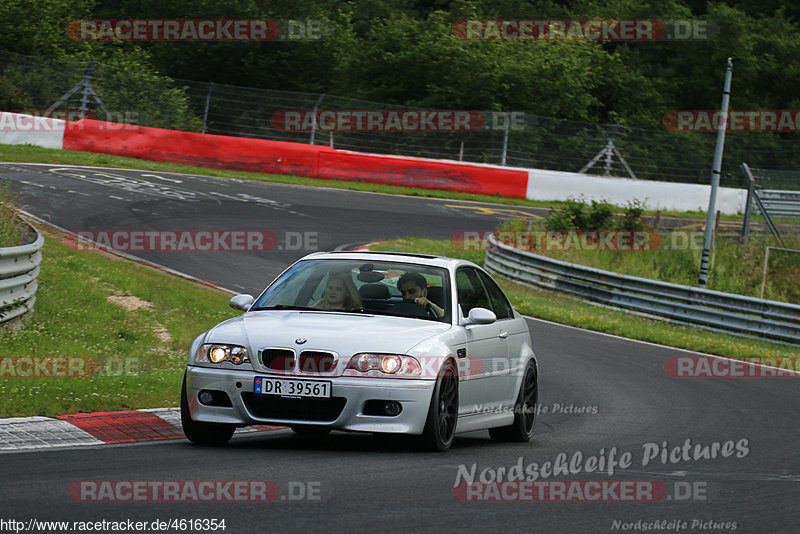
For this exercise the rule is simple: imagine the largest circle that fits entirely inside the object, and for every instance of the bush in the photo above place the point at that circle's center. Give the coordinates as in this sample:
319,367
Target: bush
631,219
577,215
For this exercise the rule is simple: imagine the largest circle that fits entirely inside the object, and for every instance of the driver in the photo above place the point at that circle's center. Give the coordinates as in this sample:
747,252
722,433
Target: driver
414,288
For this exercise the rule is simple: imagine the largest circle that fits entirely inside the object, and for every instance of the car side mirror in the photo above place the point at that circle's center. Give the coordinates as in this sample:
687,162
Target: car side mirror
479,316
241,302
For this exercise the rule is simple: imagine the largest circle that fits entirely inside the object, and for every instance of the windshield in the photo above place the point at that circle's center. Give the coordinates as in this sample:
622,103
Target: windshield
373,287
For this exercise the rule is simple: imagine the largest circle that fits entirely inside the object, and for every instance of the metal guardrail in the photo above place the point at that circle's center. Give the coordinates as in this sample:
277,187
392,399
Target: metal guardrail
19,268
780,203
699,307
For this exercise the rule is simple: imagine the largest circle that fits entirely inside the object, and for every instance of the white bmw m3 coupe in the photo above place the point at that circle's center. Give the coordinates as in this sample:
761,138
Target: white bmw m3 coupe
367,342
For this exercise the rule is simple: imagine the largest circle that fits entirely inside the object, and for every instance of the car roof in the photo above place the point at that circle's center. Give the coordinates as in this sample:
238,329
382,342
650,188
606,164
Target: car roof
402,257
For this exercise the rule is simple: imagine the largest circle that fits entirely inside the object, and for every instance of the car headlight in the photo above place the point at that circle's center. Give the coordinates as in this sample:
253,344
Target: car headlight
390,364
215,353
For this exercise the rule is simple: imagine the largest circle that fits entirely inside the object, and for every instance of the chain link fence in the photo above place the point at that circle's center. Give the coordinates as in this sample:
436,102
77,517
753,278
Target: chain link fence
529,140
777,179
115,93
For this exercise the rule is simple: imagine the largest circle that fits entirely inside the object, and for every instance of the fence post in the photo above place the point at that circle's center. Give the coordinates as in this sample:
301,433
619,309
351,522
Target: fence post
314,123
505,139
86,85
761,208
716,170
205,110
749,204
764,273
609,150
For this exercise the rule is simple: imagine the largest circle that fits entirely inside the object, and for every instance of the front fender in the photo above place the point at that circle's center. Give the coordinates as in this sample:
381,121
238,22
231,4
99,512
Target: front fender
194,347
432,353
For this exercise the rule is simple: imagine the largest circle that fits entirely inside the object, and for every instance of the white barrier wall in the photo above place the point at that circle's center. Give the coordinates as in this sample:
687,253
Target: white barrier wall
20,129
555,185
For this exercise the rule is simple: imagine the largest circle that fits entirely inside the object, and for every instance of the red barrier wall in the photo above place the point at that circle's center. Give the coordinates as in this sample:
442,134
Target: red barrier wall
424,173
258,155
204,150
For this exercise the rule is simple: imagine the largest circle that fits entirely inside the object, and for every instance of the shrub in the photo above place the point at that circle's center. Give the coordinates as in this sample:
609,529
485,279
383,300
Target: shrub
577,215
631,218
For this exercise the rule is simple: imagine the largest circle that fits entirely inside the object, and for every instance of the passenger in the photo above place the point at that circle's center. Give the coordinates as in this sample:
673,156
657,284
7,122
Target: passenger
340,294
414,288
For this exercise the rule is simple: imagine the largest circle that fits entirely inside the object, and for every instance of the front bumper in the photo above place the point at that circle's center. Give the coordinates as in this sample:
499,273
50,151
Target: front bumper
343,411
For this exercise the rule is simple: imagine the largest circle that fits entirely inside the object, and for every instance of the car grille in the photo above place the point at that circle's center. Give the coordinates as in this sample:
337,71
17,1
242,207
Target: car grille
309,362
316,362
278,359
272,407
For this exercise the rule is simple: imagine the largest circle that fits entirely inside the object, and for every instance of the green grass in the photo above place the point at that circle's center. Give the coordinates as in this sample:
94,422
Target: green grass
33,154
556,307
134,358
12,230
674,257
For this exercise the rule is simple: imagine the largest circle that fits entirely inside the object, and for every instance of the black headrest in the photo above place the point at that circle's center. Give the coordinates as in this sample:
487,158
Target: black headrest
374,291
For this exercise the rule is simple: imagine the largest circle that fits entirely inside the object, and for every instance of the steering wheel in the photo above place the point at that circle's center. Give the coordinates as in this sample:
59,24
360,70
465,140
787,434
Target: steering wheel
410,309
431,311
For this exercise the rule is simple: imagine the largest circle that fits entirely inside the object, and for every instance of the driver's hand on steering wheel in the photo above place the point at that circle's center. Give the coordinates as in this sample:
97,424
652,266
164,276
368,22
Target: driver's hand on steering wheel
425,303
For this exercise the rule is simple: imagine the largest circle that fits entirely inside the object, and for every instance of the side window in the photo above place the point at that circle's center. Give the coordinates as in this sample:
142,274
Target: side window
470,291
500,306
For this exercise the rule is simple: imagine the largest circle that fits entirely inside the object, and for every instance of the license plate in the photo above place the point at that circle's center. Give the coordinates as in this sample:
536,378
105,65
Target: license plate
287,387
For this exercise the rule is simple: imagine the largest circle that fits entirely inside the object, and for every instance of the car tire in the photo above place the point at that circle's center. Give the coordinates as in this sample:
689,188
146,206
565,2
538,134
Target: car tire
521,430
202,433
440,425
311,431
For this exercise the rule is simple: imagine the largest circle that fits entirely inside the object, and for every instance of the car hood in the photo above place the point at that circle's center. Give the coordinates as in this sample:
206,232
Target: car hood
344,333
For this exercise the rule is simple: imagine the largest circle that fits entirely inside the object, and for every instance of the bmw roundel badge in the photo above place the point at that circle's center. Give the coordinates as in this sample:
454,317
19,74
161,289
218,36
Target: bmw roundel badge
300,340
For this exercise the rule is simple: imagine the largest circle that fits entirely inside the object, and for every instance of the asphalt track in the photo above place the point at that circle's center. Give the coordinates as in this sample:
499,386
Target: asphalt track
301,219
598,393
